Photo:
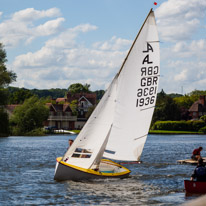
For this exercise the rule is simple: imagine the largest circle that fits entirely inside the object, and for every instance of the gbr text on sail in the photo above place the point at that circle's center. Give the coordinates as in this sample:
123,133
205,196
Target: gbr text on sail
149,73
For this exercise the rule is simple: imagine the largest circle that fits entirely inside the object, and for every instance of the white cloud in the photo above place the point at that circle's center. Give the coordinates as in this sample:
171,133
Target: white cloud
56,50
113,44
190,74
182,76
62,61
30,14
180,20
194,49
183,50
21,28
49,27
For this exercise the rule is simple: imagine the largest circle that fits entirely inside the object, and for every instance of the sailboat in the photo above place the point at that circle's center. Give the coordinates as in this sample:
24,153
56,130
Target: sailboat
119,125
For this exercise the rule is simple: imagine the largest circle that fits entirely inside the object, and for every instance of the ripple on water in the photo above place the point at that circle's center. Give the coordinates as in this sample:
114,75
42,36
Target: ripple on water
27,171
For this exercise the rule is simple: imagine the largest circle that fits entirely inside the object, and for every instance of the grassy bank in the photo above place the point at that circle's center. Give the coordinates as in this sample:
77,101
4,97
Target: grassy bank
161,132
172,132
76,131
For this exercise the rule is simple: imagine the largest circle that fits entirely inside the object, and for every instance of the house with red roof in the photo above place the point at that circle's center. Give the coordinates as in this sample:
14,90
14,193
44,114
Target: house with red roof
84,102
60,113
198,108
60,117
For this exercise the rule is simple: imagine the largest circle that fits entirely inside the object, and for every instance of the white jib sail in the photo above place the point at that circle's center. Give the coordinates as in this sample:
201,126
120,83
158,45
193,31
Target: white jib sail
88,145
136,95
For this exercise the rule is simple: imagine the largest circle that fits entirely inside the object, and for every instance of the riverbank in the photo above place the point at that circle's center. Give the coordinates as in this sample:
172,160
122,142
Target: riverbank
172,132
159,132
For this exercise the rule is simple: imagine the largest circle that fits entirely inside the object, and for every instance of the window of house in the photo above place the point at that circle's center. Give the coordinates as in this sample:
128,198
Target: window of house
51,113
59,113
67,113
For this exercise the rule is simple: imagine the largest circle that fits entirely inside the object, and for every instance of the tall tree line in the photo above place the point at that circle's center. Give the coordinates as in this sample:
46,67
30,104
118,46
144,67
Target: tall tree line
6,77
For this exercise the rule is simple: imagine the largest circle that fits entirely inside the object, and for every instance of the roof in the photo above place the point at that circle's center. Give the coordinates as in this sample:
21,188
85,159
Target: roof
83,98
59,107
61,99
197,107
91,97
11,107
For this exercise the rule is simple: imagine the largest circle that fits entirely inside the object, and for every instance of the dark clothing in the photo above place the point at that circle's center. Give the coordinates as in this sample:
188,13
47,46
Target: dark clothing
199,173
196,151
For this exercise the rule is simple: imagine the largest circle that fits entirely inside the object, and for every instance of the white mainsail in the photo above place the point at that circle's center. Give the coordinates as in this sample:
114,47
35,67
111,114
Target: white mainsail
122,118
136,95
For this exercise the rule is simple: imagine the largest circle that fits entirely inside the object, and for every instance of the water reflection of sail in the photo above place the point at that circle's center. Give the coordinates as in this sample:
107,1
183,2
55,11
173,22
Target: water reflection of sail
118,127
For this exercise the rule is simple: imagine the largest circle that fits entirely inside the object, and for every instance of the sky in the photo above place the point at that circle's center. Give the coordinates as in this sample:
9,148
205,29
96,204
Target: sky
55,43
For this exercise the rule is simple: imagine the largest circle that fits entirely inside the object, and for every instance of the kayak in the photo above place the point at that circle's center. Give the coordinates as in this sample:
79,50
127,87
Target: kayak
191,161
195,187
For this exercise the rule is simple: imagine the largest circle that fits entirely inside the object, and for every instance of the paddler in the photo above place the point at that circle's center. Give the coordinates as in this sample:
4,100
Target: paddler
196,153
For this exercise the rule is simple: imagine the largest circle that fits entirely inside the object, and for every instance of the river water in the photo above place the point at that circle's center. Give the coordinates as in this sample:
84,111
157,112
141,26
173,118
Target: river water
27,170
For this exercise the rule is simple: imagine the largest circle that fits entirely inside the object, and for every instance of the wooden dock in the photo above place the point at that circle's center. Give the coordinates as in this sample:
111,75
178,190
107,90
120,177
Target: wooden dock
190,161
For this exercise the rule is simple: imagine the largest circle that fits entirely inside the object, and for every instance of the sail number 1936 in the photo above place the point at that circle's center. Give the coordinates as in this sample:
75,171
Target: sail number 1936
145,101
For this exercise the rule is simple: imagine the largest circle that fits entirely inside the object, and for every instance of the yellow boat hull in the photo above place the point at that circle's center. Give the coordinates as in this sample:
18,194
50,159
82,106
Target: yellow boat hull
108,169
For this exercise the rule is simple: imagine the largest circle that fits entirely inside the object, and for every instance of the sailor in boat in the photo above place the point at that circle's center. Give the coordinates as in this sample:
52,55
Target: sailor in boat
199,173
196,153
70,142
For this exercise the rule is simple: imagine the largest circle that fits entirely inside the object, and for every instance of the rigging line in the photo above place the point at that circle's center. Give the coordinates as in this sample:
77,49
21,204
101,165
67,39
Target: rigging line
147,108
153,41
140,137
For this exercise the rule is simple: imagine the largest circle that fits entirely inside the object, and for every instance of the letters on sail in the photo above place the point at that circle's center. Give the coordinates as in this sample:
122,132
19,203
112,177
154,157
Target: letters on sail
149,80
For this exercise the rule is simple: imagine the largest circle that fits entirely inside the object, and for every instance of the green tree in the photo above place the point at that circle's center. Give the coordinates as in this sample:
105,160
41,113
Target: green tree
166,108
6,77
89,112
29,116
184,101
73,106
19,96
203,118
77,88
3,96
99,94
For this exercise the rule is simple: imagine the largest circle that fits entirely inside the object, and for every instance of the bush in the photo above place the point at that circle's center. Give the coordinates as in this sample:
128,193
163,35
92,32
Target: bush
203,129
29,116
179,125
36,132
